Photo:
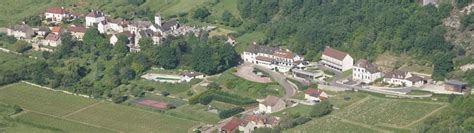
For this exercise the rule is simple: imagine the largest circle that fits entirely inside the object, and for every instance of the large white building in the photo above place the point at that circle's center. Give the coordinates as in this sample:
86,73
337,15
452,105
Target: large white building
56,14
336,60
402,78
94,17
274,58
365,72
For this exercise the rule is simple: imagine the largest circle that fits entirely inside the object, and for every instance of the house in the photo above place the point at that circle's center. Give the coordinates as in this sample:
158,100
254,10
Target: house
231,40
273,58
455,85
271,104
170,25
114,38
94,17
365,72
77,31
231,126
103,27
136,26
336,60
314,95
250,122
118,25
21,31
52,40
402,78
55,14
43,31
188,76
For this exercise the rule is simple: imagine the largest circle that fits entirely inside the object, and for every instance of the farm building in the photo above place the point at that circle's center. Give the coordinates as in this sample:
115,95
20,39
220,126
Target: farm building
455,85
336,60
271,104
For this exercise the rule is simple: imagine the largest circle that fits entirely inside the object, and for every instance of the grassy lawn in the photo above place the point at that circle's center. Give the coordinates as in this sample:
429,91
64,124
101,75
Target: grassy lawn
245,88
182,6
389,111
301,109
168,87
247,39
194,112
34,121
339,102
330,125
129,119
49,102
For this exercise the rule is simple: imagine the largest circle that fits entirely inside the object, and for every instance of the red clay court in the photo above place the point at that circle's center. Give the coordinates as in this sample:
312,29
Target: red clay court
154,103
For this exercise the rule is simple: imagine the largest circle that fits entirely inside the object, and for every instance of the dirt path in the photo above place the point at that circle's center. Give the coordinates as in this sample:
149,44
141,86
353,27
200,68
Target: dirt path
426,116
21,113
80,110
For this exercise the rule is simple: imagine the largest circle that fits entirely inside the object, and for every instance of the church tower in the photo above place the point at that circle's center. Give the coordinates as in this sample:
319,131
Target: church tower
158,19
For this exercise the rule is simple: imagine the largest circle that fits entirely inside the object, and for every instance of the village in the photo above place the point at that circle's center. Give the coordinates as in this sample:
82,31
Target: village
336,71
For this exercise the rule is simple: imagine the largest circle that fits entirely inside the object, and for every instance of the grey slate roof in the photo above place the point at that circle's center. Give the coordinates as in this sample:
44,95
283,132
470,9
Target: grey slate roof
372,68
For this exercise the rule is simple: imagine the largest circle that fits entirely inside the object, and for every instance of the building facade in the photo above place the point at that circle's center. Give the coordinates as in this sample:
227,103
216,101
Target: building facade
273,58
336,60
365,72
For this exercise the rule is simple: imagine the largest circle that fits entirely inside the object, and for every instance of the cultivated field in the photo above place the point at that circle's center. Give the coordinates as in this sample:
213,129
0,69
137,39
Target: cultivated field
58,112
367,113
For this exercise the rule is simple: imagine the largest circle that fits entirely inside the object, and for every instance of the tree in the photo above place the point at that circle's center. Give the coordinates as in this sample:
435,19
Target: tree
205,100
321,109
226,15
167,57
120,48
201,13
443,64
21,46
214,86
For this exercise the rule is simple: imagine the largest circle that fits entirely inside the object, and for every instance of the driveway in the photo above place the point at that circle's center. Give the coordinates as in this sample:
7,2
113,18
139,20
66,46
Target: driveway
280,79
246,71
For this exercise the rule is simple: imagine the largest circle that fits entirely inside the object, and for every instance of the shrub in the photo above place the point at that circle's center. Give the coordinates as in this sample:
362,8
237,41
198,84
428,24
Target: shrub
321,109
230,112
165,93
205,100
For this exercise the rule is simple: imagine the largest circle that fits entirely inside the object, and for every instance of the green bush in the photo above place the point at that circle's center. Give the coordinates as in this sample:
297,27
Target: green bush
230,112
321,109
205,100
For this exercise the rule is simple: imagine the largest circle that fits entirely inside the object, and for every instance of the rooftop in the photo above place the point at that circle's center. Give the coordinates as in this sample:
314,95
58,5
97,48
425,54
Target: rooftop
336,54
271,101
56,10
372,68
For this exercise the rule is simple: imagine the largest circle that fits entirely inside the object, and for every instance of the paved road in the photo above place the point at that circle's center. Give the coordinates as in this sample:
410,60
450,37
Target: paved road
280,79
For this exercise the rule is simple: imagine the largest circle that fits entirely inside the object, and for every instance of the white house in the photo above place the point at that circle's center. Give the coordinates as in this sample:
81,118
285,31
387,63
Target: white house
313,95
231,40
77,31
103,27
271,104
403,78
188,76
250,122
113,40
94,17
274,58
52,40
56,14
336,60
365,72
21,32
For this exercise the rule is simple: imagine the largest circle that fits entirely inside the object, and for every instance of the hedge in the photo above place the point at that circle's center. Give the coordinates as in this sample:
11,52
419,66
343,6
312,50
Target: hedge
230,112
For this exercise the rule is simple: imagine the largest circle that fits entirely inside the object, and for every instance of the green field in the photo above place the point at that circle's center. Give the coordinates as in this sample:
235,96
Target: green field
330,125
389,111
49,102
130,119
50,111
367,113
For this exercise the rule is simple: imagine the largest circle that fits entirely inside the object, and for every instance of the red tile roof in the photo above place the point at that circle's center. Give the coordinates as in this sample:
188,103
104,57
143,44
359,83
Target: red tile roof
79,29
334,53
55,10
231,125
312,91
56,29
